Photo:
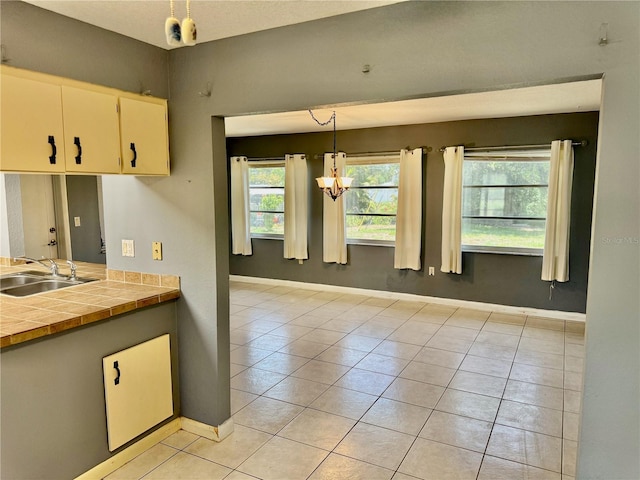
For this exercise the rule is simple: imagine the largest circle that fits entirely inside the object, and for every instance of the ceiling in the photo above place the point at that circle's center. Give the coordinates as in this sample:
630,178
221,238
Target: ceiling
582,96
215,19
218,19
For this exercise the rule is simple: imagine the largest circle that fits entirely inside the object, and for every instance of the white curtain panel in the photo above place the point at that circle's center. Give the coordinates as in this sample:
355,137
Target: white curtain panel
295,207
334,226
452,211
409,216
555,260
240,234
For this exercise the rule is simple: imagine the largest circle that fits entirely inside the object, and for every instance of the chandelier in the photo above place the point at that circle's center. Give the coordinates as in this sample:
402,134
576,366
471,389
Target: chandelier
333,186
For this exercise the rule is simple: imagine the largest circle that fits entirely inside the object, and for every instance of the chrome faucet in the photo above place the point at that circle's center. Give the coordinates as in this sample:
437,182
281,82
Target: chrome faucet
53,268
73,268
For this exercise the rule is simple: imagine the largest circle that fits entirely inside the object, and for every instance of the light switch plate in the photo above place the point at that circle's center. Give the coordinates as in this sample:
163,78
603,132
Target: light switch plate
157,250
128,248
76,221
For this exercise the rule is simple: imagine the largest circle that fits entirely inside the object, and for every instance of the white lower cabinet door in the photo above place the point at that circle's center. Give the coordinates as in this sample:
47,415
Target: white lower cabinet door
138,393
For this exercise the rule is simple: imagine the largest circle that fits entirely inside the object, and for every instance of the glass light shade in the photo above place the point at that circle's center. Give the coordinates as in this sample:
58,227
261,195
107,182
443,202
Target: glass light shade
345,182
325,182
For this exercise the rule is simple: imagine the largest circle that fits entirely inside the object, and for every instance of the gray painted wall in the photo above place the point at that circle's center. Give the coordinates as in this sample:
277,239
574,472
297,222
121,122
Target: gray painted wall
39,40
414,48
490,278
82,199
53,409
423,48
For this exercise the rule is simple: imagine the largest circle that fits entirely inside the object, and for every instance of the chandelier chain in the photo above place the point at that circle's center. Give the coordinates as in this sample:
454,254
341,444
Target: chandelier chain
332,118
323,124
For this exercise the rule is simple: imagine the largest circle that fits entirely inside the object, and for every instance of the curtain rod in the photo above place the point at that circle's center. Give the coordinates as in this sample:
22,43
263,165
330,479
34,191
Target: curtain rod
391,152
582,143
265,159
320,156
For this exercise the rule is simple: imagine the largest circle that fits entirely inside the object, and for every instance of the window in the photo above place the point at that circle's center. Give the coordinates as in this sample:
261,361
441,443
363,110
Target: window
504,201
372,200
266,199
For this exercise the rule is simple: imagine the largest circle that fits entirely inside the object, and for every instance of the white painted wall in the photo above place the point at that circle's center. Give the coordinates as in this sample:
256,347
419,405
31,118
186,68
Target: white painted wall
11,232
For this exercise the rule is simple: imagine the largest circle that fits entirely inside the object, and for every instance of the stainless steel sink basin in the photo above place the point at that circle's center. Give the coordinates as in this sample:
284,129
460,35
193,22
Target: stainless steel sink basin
32,282
7,281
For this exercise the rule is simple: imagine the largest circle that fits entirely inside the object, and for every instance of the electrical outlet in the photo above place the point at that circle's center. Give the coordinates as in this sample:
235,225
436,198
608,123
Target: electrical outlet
156,248
432,271
76,221
128,248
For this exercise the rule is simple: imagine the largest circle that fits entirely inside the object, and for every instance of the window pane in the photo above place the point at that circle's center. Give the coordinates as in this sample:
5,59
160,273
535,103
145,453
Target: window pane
266,176
505,201
266,199
367,198
367,227
504,188
372,200
267,223
505,172
376,174
503,233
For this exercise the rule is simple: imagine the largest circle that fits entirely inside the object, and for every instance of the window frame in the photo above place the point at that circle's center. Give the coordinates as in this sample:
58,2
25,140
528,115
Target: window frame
266,164
520,155
391,158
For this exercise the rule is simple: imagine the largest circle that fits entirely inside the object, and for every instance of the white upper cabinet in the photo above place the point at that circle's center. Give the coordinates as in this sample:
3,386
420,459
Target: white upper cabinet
92,139
55,125
144,137
31,126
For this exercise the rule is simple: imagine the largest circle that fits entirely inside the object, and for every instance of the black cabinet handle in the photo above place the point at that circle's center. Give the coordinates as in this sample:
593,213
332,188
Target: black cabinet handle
54,150
76,142
135,155
115,365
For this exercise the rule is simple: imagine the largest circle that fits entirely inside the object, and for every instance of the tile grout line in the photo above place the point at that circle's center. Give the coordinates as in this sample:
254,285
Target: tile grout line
397,376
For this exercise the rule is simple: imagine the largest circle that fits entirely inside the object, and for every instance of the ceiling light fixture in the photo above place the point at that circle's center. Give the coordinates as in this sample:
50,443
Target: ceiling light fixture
333,186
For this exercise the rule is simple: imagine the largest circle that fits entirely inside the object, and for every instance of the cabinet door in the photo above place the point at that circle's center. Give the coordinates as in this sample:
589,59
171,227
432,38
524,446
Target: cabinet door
92,137
143,137
138,393
31,129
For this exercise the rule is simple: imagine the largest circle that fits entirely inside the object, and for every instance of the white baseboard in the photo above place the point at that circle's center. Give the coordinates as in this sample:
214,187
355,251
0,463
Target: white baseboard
217,434
537,312
113,463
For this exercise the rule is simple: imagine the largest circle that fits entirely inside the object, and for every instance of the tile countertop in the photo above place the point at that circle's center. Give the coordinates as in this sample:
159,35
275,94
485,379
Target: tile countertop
27,318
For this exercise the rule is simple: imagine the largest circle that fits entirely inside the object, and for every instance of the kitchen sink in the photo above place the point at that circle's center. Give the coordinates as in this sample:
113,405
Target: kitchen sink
31,282
15,280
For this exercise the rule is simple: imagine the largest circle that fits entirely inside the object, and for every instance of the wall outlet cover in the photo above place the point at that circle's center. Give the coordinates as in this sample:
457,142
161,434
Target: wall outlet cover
156,248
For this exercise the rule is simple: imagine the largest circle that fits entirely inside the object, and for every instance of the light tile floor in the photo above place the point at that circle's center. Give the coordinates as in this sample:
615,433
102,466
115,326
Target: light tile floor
334,386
